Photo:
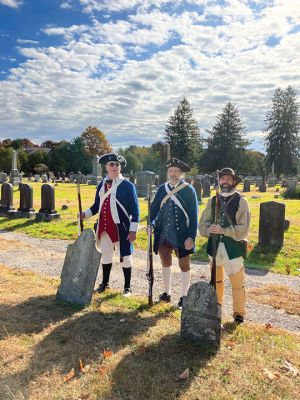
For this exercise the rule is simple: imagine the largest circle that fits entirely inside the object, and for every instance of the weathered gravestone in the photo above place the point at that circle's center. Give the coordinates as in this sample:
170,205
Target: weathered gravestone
80,270
71,177
47,212
246,185
26,209
201,316
3,177
36,178
63,176
206,188
96,171
271,224
292,184
7,193
198,188
284,183
14,177
44,178
143,179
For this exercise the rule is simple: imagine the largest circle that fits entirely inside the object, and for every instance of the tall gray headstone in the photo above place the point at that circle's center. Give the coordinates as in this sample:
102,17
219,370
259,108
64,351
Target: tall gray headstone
292,184
201,316
143,179
271,224
47,211
14,177
63,176
96,171
7,196
206,188
80,270
198,188
246,185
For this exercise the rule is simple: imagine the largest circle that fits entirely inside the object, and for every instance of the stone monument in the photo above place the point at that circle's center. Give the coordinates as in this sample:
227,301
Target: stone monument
15,176
271,224
47,212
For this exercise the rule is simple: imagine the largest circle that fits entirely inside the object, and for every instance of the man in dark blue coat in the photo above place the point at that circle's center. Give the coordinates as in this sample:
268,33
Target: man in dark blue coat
116,203
174,213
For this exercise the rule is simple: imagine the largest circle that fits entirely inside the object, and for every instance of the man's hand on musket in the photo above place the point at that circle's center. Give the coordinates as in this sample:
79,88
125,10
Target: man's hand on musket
188,243
216,229
81,216
131,236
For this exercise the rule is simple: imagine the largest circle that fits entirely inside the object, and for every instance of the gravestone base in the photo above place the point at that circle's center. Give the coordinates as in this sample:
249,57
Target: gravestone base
263,188
201,316
80,270
4,212
21,214
44,217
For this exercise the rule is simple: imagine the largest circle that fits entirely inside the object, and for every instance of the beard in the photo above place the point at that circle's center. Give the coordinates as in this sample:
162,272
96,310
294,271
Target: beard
226,188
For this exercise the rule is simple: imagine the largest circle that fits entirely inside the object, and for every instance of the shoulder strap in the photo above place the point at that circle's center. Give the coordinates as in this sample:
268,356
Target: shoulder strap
172,192
224,208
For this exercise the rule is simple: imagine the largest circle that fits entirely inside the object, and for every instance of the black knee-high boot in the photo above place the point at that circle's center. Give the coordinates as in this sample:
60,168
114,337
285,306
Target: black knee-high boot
127,277
106,268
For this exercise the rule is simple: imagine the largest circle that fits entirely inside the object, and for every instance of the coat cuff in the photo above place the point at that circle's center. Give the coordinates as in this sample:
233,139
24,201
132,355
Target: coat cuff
88,213
133,227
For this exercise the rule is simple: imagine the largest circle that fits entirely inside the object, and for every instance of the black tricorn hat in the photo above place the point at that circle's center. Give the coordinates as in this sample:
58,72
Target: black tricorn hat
174,162
106,158
230,172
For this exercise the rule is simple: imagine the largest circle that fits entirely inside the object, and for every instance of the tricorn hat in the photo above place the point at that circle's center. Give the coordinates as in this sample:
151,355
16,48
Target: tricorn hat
174,162
230,171
106,158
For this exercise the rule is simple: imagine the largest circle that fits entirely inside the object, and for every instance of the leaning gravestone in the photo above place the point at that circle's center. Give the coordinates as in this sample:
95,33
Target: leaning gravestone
80,270
201,316
206,188
7,193
271,224
246,185
26,209
47,212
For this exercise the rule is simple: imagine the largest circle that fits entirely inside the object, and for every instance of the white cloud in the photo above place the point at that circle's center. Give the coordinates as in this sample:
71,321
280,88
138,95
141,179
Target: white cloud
96,78
27,41
66,5
11,3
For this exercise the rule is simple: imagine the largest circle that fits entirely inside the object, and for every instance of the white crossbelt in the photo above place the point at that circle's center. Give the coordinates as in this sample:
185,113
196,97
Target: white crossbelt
177,202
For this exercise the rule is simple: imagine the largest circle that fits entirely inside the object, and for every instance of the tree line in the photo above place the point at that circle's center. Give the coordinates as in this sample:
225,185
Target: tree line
225,144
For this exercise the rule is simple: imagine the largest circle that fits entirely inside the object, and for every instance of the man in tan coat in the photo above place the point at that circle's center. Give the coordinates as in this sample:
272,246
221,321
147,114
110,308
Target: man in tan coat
232,230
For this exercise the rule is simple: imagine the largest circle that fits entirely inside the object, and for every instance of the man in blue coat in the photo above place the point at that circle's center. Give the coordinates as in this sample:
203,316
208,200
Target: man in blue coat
174,213
117,206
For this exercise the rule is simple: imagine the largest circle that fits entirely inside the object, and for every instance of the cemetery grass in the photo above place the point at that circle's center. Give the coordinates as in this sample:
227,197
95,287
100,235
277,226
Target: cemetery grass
285,260
128,351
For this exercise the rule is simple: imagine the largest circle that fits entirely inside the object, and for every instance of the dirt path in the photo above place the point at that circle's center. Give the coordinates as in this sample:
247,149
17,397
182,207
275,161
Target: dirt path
46,256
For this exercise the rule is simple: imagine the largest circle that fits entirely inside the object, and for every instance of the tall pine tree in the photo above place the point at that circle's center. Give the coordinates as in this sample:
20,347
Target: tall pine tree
226,143
283,123
182,133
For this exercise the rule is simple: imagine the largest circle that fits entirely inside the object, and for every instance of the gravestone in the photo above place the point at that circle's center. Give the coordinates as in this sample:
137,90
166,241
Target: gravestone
271,224
47,212
44,178
14,176
96,171
63,177
262,188
58,176
3,177
84,179
7,194
80,270
201,316
143,179
36,178
132,177
284,183
198,188
272,182
26,209
206,188
71,177
247,185
292,184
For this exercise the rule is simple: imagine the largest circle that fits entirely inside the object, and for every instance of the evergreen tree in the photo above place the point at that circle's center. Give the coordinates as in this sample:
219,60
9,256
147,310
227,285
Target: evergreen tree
182,133
226,143
283,123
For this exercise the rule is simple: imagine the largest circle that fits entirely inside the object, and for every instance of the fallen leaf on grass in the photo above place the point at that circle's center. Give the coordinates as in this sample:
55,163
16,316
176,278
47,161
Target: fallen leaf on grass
230,344
102,370
289,368
268,326
271,375
184,375
70,375
81,368
107,353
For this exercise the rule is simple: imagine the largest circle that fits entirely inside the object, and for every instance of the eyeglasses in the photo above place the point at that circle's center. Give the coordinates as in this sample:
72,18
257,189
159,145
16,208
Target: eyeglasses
113,164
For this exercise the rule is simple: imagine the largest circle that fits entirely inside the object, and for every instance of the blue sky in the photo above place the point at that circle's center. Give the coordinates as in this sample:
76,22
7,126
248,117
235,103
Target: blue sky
124,65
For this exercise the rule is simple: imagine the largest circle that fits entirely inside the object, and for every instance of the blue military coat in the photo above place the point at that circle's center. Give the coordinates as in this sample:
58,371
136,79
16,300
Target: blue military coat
177,219
124,207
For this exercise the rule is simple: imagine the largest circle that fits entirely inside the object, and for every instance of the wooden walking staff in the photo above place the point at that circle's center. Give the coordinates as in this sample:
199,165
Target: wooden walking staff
80,210
215,237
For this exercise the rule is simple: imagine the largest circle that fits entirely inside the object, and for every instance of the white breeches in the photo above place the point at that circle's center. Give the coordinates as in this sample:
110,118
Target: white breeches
107,248
231,266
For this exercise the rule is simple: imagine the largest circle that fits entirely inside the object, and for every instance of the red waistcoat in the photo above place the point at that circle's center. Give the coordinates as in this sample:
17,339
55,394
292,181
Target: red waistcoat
106,222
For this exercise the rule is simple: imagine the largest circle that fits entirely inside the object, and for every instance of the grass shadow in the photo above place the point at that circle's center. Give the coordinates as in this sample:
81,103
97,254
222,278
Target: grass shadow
33,315
262,257
16,226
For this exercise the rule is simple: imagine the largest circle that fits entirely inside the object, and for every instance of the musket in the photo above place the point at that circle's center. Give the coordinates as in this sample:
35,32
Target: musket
150,273
215,237
80,208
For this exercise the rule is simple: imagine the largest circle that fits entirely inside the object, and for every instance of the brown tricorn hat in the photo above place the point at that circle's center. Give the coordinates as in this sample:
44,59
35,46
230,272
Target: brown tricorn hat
230,171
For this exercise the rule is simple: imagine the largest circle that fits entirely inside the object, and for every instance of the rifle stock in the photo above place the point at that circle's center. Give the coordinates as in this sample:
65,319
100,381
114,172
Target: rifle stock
215,236
150,273
79,206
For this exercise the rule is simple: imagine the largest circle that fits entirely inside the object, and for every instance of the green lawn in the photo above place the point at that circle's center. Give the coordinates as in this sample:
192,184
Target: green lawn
287,260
